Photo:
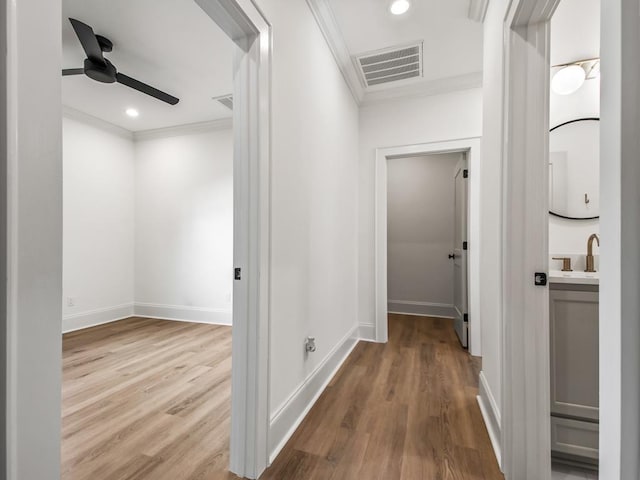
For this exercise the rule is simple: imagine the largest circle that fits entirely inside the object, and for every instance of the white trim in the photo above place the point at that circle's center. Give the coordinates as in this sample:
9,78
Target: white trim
471,146
490,415
96,122
187,129
367,332
183,313
525,433
293,410
478,10
427,309
245,24
98,316
329,27
423,88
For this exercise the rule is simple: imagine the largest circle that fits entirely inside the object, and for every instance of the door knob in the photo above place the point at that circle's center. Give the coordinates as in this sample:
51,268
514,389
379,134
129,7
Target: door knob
451,255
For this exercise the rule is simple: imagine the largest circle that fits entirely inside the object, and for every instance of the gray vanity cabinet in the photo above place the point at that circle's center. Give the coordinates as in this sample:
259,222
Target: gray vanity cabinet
573,321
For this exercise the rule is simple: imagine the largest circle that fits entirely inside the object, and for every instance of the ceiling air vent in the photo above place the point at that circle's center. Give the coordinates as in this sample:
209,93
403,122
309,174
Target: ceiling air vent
226,100
390,65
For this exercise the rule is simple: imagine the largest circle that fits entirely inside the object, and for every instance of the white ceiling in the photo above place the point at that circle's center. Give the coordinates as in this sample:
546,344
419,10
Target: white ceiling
452,41
170,44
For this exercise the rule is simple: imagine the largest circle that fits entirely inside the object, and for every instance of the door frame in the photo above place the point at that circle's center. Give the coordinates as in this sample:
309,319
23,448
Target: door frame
34,185
461,166
472,148
525,430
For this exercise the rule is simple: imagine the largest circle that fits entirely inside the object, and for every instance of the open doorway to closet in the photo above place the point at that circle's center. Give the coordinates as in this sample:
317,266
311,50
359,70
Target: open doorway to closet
428,236
427,244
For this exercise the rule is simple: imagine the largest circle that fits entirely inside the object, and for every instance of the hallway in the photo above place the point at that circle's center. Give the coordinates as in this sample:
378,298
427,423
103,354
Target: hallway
405,410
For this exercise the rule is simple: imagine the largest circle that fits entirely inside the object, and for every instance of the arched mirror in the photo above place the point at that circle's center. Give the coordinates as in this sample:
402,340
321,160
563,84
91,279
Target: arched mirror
574,169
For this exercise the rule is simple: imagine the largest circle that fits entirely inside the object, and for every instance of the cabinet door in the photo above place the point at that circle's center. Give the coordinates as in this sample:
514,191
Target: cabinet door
573,319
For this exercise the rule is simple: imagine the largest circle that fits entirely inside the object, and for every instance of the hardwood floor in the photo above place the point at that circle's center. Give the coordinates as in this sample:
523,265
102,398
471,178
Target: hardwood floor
402,411
146,399
150,399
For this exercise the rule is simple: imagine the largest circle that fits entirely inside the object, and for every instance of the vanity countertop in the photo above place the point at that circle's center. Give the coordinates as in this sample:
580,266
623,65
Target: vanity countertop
575,277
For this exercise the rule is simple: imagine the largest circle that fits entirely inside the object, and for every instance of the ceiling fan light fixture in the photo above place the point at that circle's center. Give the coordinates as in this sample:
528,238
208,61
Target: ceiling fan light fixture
132,112
399,7
568,80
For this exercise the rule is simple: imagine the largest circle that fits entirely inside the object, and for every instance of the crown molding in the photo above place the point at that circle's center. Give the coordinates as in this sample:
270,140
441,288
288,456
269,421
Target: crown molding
478,10
426,88
329,27
190,128
96,122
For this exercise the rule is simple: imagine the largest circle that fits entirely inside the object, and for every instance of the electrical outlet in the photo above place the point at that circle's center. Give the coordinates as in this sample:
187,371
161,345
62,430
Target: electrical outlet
71,302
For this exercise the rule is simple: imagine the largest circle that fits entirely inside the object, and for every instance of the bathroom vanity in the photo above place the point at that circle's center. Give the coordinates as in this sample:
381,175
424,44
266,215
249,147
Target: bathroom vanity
573,322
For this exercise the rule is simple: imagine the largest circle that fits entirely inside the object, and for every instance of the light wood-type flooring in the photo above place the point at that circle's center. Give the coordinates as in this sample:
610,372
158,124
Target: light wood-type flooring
405,410
149,399
146,399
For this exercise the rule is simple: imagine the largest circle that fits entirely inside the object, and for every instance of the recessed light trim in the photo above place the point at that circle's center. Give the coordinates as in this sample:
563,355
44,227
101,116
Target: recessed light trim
132,112
399,7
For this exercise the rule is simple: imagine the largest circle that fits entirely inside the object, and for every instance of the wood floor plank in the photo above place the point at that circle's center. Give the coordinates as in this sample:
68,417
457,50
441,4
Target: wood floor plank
150,399
146,399
405,410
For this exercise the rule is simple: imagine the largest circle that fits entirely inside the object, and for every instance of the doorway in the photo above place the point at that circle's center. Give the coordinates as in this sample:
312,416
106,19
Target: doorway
34,430
427,227
457,260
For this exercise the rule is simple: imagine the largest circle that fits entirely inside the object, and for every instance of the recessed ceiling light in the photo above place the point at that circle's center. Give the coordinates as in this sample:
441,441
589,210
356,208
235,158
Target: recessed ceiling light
132,112
398,7
568,80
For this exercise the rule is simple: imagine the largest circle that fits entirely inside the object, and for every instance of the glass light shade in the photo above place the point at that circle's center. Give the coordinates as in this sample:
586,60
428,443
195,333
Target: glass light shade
132,112
398,7
567,80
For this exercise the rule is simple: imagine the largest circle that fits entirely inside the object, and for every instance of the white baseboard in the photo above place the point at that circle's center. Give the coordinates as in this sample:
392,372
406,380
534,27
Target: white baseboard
181,313
99,316
428,309
491,416
367,332
289,416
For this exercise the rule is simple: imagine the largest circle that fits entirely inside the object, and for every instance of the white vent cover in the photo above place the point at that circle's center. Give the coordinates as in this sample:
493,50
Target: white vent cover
390,65
226,100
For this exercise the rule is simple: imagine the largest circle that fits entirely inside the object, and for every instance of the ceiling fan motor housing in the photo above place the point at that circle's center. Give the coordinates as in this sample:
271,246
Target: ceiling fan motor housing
104,74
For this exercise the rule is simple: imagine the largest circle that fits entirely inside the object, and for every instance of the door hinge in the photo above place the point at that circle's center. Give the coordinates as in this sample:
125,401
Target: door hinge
237,273
466,317
465,245
465,173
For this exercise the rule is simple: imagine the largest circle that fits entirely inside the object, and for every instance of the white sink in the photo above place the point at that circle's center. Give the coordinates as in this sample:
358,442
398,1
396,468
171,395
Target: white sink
576,277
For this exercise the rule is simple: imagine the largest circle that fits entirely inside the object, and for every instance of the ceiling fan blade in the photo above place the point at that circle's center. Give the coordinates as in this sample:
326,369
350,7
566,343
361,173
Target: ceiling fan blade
72,71
88,41
144,88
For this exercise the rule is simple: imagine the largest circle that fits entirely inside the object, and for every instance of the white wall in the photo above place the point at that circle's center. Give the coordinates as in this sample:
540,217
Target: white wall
148,224
570,41
403,122
184,226
314,181
98,224
420,216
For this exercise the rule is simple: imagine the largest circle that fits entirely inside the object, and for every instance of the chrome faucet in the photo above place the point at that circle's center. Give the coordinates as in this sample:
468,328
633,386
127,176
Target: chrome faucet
590,252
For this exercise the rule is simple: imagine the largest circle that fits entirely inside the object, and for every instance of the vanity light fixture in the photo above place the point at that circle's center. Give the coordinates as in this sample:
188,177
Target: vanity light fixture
399,7
568,80
571,76
132,112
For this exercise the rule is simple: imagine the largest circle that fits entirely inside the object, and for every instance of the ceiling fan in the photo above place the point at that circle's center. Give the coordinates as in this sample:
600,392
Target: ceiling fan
99,68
